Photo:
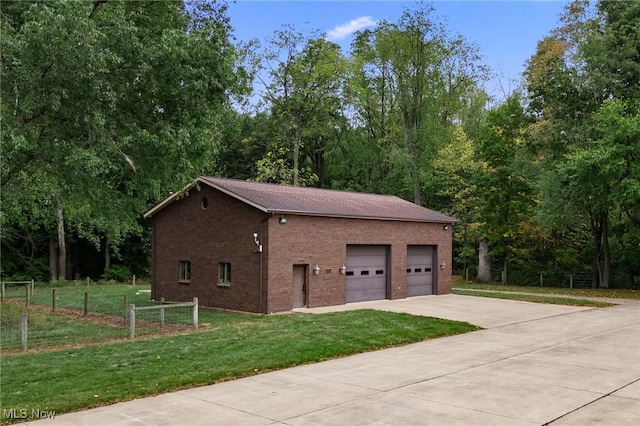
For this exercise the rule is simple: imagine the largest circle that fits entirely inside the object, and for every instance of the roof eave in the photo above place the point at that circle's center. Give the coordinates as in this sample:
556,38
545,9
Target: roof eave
345,216
173,197
170,199
233,194
205,181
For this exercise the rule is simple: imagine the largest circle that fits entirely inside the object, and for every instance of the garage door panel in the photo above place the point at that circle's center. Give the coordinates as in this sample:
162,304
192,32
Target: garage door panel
419,270
366,273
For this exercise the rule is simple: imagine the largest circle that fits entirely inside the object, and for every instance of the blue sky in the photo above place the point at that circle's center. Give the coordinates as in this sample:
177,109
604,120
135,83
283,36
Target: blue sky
506,32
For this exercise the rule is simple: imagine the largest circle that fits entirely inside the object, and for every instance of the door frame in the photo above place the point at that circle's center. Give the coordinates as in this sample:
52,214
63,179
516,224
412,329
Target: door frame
305,285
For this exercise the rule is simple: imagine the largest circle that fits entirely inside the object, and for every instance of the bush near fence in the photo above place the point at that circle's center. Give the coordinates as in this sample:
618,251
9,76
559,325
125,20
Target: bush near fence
81,313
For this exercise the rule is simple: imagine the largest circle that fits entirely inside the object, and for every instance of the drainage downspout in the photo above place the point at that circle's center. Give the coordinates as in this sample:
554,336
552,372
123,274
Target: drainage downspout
260,252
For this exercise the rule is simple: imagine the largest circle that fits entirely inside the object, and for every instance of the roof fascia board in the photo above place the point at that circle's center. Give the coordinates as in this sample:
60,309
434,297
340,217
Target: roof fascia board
170,199
233,194
395,219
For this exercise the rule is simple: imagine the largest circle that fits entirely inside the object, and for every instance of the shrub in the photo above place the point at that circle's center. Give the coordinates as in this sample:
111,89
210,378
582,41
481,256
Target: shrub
117,273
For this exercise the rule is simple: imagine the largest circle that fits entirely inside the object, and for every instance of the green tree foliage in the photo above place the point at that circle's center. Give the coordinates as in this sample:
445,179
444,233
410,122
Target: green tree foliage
584,83
105,106
303,98
411,81
505,191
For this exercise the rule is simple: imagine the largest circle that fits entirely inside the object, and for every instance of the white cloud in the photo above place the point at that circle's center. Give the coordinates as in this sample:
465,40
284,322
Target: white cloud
344,30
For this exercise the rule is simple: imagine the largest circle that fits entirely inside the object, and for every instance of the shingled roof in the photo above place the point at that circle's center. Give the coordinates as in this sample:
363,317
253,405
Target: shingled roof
281,199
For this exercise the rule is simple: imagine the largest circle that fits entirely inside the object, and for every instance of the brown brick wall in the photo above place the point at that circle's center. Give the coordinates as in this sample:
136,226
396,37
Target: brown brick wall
221,233
224,233
323,241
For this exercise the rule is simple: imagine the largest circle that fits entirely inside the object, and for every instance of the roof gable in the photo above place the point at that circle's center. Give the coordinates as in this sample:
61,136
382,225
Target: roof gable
281,199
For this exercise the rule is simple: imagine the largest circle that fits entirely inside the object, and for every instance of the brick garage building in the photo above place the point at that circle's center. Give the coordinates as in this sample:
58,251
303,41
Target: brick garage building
270,248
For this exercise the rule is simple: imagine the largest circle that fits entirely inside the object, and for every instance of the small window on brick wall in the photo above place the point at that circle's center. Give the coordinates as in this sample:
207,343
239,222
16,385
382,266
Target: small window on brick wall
185,271
224,274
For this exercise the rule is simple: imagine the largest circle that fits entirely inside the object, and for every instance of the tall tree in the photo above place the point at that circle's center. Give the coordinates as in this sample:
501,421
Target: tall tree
507,197
306,78
413,78
106,105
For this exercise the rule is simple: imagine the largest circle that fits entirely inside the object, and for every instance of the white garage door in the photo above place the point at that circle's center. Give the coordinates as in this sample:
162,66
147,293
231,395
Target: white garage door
419,270
366,273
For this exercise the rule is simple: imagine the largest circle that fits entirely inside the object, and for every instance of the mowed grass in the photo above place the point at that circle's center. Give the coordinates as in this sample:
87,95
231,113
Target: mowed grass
585,292
551,300
231,345
68,326
102,298
46,329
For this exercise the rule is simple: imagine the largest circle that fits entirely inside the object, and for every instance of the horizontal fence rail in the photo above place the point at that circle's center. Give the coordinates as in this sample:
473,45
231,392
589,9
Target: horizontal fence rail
133,310
29,285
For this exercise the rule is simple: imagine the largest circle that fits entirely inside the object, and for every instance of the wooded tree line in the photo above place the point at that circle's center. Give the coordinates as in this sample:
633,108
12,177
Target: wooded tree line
109,105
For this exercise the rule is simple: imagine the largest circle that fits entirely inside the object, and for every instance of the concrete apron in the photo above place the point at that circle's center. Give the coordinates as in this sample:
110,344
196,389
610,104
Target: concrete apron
534,364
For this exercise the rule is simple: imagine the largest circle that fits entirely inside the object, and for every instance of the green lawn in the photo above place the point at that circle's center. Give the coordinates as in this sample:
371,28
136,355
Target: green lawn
231,345
49,330
46,329
552,300
587,292
102,298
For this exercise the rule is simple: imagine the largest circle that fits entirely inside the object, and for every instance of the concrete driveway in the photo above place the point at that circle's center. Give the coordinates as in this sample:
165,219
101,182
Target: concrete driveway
532,365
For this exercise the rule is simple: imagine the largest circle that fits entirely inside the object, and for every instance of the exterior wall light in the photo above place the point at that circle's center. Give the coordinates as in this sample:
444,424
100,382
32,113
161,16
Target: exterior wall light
282,220
255,239
316,270
445,227
343,269
443,265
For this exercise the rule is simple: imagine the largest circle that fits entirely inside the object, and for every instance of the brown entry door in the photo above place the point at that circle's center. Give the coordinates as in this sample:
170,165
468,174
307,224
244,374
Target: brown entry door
299,286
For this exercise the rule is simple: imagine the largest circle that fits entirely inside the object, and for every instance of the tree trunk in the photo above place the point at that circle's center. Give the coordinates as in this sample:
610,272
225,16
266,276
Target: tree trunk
53,259
297,143
504,272
484,263
62,247
606,252
296,163
600,231
107,255
416,190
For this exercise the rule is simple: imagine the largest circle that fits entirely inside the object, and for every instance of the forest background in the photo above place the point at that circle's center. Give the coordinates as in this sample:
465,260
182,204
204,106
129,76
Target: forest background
107,106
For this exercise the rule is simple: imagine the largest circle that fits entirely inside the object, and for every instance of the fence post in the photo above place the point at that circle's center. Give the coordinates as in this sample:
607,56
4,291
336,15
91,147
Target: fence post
541,280
24,331
53,300
132,321
162,311
134,280
570,281
33,287
195,313
86,303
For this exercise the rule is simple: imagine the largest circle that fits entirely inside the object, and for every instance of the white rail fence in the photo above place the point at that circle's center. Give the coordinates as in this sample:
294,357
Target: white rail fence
161,313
